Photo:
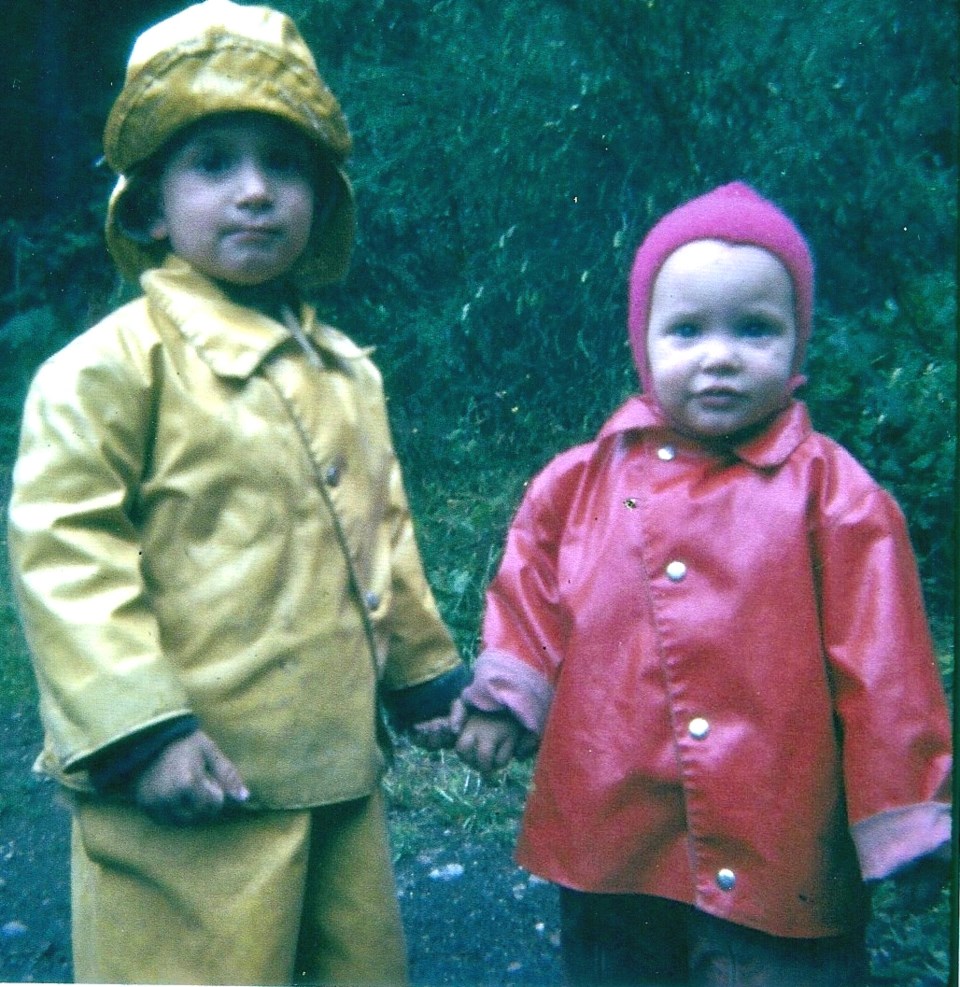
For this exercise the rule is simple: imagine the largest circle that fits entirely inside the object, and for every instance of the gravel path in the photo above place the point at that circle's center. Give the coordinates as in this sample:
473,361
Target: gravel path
472,917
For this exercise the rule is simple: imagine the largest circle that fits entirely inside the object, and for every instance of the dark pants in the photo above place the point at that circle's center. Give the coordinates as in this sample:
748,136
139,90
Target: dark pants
611,939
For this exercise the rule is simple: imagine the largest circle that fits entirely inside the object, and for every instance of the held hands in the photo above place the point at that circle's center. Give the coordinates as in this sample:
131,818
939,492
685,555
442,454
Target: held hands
441,732
484,741
488,741
190,781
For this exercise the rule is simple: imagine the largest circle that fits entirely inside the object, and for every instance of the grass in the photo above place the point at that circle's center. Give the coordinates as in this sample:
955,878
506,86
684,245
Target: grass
909,949
435,789
16,676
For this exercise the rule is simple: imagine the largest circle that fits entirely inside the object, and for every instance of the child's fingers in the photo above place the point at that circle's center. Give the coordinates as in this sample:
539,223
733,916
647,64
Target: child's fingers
487,741
434,734
182,805
442,731
189,782
201,801
458,715
469,747
503,749
222,778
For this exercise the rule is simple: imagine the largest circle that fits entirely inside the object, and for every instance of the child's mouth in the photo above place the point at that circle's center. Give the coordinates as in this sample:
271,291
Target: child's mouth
253,234
719,397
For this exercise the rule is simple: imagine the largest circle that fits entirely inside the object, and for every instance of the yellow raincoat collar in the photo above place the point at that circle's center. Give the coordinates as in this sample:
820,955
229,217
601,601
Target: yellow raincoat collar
232,340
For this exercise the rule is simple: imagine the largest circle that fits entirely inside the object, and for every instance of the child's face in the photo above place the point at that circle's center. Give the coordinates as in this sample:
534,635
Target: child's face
721,338
237,198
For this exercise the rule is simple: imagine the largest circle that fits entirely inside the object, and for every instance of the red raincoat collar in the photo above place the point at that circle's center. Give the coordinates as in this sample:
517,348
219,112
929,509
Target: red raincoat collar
770,448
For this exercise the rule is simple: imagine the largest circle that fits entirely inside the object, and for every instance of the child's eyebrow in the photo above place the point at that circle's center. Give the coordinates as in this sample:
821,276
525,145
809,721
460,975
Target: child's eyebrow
761,307
684,310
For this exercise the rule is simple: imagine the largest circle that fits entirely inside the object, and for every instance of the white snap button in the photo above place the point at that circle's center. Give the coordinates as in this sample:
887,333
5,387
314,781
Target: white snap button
698,728
726,879
676,571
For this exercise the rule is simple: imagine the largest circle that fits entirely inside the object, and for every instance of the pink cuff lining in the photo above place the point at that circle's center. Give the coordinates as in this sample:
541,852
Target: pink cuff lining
503,682
890,840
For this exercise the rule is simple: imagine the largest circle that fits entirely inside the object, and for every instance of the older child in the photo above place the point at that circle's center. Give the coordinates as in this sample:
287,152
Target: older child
212,548
711,619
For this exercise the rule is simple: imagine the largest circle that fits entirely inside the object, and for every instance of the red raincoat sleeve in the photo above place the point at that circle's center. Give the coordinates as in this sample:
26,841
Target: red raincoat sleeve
887,689
525,627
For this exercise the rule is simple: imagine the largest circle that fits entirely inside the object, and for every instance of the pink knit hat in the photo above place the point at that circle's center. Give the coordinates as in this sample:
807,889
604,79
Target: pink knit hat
736,214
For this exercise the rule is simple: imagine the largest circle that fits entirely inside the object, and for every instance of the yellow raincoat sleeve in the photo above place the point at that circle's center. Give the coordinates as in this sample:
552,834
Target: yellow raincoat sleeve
75,555
420,647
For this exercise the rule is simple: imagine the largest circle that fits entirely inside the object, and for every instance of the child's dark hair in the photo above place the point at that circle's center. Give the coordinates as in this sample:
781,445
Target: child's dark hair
140,206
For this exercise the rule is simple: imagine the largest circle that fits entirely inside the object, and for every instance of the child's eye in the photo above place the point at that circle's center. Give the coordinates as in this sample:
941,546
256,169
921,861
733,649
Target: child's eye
287,162
685,330
211,161
758,329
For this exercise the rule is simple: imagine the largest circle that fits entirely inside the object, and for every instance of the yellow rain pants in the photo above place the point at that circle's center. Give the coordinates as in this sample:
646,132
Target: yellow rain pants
298,896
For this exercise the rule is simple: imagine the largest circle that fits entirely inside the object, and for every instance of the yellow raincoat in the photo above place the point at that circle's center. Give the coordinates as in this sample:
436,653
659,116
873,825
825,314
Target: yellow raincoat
204,522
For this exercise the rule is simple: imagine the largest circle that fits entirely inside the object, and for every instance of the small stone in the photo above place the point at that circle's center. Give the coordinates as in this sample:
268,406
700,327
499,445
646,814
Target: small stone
13,930
448,872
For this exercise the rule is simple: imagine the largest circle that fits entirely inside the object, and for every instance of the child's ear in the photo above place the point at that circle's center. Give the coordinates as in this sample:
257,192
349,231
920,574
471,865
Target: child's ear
140,215
158,229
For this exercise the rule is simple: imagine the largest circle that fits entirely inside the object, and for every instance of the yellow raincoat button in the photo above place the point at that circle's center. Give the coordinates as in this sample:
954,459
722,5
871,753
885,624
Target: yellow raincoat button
333,474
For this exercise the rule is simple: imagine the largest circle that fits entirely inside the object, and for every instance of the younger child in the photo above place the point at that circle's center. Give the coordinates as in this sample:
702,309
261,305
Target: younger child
710,617
212,548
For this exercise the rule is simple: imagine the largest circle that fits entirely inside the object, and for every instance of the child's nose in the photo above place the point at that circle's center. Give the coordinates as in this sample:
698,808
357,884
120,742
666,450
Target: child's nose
254,187
719,352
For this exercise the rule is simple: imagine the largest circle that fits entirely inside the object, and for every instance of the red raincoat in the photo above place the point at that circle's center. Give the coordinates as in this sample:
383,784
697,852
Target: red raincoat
728,659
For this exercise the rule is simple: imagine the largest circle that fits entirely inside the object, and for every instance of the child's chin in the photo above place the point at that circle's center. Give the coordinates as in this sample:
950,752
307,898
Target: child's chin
730,430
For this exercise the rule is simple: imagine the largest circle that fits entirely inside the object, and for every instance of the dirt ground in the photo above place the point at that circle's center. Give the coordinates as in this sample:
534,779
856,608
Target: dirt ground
489,925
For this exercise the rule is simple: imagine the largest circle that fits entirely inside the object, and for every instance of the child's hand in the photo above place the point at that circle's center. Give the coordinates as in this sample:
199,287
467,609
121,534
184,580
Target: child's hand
441,732
433,735
189,781
489,740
